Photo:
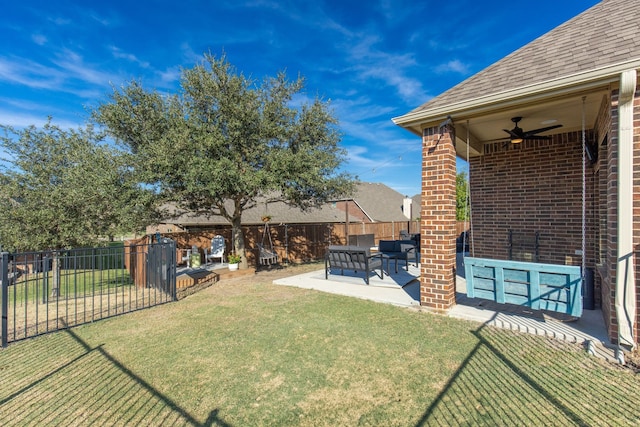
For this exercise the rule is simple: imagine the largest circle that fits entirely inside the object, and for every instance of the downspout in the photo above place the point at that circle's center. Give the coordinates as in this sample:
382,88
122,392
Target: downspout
625,297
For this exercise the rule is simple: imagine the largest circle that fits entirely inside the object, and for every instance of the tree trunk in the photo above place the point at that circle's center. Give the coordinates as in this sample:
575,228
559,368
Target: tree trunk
237,237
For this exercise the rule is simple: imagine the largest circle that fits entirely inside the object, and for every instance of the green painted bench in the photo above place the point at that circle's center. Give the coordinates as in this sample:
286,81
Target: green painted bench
538,286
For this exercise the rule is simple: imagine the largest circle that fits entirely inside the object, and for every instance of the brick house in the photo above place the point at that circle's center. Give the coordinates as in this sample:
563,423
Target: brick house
581,75
363,206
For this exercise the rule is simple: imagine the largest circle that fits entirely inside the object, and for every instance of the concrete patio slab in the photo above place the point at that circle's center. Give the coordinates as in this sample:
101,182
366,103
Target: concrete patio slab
400,289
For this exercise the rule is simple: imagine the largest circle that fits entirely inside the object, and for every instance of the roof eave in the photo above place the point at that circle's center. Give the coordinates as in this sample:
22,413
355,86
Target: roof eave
578,82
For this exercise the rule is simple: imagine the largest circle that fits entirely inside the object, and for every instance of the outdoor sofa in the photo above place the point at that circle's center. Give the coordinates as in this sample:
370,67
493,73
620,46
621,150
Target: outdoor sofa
352,258
398,250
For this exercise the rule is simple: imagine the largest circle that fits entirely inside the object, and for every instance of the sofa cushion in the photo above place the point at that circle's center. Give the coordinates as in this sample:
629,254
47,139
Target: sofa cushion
388,246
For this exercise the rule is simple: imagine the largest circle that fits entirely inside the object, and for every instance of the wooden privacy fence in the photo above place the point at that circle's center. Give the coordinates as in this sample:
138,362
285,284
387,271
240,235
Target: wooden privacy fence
295,242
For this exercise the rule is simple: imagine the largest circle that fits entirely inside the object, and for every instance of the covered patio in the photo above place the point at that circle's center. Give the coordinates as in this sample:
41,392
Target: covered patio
548,134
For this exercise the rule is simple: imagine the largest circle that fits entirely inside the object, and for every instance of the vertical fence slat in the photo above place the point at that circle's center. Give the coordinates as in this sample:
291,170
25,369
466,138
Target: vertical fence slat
5,297
500,294
534,289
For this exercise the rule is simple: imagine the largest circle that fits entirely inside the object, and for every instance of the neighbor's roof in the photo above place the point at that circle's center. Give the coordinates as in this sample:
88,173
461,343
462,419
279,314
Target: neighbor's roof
379,202
604,39
278,211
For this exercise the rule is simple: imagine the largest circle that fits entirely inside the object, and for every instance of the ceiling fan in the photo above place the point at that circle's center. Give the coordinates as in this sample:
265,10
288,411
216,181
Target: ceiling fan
517,135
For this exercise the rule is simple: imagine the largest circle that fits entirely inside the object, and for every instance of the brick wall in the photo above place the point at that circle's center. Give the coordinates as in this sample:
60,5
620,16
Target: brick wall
354,210
438,219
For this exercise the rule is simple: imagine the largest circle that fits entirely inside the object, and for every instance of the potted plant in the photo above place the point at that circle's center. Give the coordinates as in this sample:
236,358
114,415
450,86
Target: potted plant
234,261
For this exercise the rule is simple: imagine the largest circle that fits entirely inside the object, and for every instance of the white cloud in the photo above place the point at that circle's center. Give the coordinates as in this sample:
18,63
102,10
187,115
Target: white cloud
68,74
74,68
375,165
312,16
21,120
60,21
39,39
454,65
189,54
391,68
170,75
361,108
102,21
29,73
357,157
120,54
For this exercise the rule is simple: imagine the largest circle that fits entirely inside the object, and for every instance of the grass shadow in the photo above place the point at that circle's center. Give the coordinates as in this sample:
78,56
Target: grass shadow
86,386
496,386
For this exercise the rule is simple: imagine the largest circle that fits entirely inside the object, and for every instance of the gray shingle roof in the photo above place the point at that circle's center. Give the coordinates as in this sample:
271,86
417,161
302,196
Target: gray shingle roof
278,211
379,202
606,34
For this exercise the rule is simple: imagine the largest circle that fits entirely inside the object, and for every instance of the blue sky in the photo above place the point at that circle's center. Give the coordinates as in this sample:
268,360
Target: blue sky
373,60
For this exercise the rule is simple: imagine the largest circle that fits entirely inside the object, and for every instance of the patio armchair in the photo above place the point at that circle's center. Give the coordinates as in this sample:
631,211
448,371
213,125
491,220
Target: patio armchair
216,250
185,258
399,250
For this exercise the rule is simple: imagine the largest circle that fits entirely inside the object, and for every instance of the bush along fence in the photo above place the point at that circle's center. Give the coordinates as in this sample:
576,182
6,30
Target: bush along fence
50,290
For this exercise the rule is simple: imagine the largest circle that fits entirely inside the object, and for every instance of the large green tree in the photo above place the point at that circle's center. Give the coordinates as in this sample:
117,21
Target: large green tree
65,188
225,141
462,197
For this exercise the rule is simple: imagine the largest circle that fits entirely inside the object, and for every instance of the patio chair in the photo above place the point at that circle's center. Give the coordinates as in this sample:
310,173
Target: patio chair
185,258
267,257
216,250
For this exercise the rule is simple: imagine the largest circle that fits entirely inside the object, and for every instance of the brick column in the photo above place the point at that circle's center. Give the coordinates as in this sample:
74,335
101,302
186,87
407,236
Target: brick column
438,219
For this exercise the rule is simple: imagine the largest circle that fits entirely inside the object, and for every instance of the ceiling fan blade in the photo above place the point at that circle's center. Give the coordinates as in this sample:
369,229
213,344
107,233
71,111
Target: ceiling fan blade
533,132
537,137
512,133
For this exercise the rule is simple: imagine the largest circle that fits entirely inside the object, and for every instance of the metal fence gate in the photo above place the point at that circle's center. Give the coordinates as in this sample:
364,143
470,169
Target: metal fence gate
50,290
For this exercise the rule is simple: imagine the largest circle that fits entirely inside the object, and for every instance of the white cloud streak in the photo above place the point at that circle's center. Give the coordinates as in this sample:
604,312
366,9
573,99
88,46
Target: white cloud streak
120,54
454,66
39,39
21,120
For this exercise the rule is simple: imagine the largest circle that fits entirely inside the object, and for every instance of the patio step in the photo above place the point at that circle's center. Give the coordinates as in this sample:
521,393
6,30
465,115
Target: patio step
190,282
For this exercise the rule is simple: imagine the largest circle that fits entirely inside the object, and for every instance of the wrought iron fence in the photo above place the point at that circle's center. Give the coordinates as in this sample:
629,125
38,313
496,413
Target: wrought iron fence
50,290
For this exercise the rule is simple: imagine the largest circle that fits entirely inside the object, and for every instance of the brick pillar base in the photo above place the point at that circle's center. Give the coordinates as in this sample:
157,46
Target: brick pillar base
438,219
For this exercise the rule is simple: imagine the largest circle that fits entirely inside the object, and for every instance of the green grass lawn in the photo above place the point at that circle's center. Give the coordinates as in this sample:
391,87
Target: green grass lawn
73,283
247,352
